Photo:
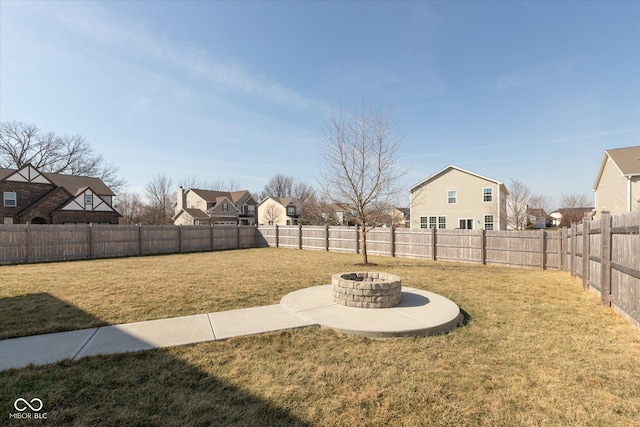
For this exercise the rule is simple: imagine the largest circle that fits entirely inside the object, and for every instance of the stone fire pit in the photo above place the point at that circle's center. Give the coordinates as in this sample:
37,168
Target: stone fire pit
367,289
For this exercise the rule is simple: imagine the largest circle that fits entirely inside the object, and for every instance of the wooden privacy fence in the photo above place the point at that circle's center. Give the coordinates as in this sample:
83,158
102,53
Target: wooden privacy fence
531,249
25,243
605,254
610,264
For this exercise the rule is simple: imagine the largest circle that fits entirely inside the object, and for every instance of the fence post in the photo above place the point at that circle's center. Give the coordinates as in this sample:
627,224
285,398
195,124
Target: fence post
357,239
299,236
574,247
238,235
276,231
543,249
211,236
326,235
29,243
483,247
562,250
433,244
392,239
140,239
605,259
91,236
180,238
585,252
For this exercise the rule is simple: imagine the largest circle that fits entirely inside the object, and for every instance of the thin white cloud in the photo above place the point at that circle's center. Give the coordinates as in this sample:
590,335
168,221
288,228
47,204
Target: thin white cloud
532,75
94,23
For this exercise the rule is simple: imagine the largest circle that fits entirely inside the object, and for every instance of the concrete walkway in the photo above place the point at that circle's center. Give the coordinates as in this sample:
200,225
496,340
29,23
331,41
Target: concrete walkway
419,313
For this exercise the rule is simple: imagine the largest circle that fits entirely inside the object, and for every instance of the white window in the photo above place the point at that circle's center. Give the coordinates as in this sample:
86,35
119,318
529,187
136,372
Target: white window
251,209
291,210
8,221
488,222
10,199
225,207
433,221
487,194
442,222
452,196
88,199
466,224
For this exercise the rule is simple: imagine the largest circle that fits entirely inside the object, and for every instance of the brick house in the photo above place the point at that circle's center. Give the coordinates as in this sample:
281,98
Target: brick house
203,207
31,196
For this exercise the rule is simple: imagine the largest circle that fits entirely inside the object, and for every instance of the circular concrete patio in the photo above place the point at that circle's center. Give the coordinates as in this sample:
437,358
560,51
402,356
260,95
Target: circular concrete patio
420,313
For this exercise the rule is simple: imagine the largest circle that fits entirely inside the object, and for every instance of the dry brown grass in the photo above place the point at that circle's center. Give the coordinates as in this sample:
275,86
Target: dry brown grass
535,350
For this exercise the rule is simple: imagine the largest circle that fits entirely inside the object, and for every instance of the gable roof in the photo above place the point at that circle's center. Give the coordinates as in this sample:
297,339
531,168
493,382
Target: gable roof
340,207
5,172
626,159
284,201
195,213
45,199
219,202
452,167
213,195
72,183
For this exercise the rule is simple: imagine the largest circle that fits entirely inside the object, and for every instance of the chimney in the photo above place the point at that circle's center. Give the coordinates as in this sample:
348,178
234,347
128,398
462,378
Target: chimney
181,199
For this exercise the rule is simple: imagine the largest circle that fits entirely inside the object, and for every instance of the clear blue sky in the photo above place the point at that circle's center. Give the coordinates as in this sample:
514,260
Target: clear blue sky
534,91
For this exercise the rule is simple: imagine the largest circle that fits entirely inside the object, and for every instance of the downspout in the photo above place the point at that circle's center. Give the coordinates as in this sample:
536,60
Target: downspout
629,201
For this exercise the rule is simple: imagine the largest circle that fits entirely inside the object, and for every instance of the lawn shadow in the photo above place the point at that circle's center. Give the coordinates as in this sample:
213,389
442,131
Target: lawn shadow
134,388
46,314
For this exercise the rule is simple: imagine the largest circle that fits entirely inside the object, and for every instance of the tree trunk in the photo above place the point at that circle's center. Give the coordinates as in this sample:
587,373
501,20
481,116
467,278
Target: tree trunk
364,247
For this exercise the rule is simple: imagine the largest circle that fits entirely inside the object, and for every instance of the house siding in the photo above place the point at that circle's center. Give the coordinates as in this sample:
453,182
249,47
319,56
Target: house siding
611,194
431,199
273,210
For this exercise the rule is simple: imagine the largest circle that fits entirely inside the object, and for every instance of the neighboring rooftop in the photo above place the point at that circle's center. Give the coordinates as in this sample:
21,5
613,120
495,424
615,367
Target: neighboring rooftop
72,183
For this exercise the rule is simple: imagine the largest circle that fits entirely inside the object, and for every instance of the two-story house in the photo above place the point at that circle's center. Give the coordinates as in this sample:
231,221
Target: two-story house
617,185
455,198
340,214
279,211
31,196
203,207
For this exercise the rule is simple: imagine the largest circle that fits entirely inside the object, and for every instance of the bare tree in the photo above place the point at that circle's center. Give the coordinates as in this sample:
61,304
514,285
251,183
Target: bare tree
518,204
204,184
574,206
22,144
161,197
279,186
131,207
303,191
360,165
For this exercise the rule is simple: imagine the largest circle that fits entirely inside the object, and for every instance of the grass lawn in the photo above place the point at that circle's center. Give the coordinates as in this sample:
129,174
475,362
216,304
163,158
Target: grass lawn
536,349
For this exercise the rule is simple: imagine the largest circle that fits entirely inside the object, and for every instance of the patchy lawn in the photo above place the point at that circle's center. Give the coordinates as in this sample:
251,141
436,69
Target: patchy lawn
535,350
